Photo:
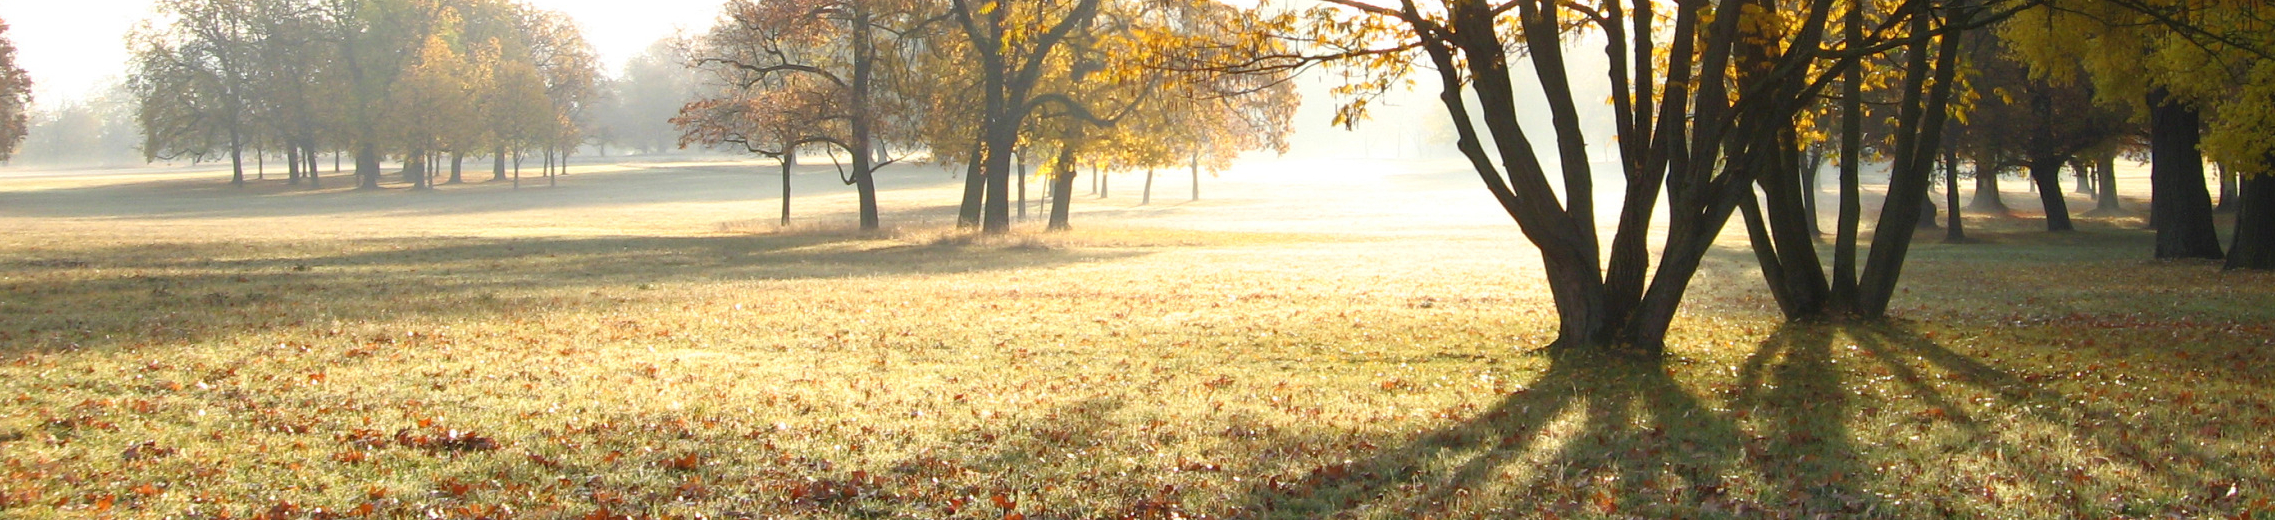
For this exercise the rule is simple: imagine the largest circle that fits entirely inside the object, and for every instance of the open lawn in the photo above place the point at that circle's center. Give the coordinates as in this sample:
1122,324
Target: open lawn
1345,339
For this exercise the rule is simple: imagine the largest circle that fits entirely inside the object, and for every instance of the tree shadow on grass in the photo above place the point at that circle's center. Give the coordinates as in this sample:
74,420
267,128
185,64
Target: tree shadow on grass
162,293
2121,465
1622,438
1590,435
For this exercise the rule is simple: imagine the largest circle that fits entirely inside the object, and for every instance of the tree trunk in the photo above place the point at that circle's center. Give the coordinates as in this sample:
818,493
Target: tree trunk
1851,211
517,169
865,155
1955,230
1927,213
2179,205
1196,176
260,164
1812,162
1147,198
2254,246
2227,189
1062,181
498,164
366,166
1987,193
1104,188
1914,164
2106,191
292,165
2084,177
789,160
457,163
1022,165
415,169
236,159
975,189
2048,173
308,153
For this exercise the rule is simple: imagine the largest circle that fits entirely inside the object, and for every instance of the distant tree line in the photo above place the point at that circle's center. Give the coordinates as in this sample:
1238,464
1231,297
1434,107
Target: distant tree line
422,81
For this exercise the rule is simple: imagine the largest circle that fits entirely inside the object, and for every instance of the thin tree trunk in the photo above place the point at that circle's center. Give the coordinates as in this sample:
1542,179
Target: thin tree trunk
498,164
2083,177
1022,165
291,165
1915,163
308,153
457,163
1852,145
1148,197
789,160
2179,205
1955,229
260,164
1927,211
517,169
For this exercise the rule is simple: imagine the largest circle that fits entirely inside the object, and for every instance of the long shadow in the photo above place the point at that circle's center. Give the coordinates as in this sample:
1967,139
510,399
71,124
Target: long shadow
2146,458
161,293
1640,443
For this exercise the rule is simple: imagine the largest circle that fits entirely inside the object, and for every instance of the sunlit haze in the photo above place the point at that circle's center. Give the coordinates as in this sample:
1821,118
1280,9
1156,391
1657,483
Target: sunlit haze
69,47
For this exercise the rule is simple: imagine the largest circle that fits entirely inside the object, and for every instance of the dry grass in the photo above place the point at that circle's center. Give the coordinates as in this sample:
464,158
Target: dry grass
632,344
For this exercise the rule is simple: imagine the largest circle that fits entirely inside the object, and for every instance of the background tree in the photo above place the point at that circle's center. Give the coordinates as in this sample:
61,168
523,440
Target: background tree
15,96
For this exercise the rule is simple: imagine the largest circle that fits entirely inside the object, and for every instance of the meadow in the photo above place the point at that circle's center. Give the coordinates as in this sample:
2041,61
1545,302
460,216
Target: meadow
1347,339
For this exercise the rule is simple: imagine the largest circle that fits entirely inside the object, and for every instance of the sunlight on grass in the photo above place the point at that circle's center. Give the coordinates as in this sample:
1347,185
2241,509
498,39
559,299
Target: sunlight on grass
202,365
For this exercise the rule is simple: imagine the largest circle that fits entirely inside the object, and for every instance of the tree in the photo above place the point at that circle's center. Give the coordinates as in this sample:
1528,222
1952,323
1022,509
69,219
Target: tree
15,96
836,44
1755,65
209,49
2028,120
2177,62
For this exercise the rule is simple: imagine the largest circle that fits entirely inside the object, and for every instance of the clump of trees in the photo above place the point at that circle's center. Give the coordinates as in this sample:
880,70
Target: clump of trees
422,81
993,86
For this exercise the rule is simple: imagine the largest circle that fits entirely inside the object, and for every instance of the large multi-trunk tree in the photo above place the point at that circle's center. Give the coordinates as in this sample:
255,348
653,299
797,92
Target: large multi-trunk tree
1705,128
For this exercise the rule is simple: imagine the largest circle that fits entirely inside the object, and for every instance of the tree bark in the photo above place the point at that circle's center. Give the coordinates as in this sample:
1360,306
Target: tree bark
1851,213
2179,205
1914,164
2254,245
1955,230
292,165
2082,177
2048,173
498,164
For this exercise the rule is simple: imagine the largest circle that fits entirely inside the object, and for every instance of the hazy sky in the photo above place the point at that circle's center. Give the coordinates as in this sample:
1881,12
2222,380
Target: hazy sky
71,46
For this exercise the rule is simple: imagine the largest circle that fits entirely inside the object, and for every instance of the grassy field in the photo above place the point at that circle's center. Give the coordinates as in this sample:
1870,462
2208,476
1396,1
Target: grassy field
1342,340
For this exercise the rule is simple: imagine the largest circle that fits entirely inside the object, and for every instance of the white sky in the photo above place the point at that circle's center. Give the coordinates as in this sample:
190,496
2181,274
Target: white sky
71,46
